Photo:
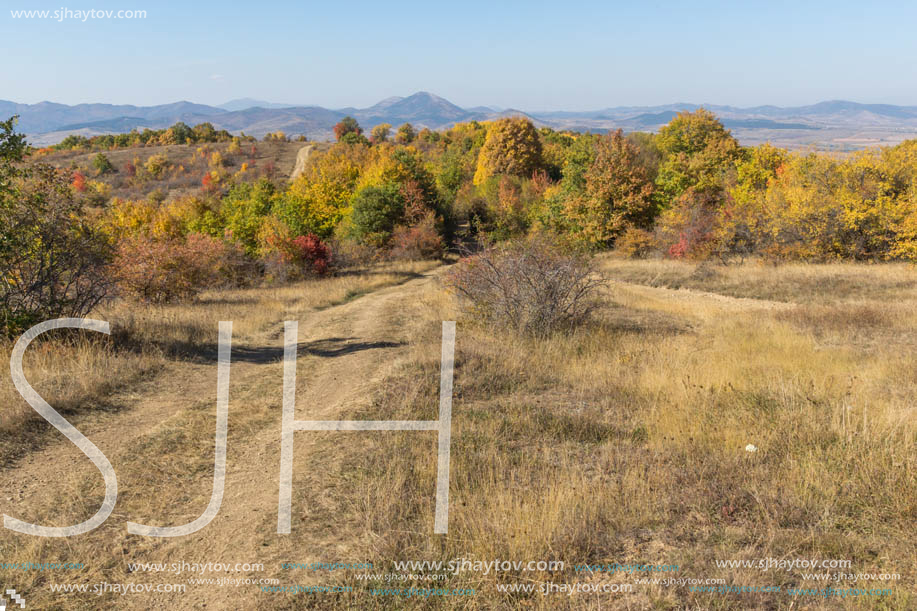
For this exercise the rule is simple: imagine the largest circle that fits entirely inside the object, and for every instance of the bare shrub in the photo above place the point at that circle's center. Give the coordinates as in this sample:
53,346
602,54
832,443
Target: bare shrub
534,287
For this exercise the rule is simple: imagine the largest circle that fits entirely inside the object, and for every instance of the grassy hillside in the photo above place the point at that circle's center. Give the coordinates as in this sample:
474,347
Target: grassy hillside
185,166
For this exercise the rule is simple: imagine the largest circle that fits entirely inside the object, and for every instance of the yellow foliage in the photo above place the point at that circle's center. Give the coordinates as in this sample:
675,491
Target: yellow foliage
156,165
176,219
322,192
382,168
126,217
512,147
100,189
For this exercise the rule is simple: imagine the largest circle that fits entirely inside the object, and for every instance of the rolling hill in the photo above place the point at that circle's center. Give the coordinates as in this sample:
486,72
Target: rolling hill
837,124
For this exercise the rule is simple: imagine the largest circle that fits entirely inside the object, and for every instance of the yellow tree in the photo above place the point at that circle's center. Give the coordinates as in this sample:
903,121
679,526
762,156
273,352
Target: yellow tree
379,133
743,223
512,147
318,199
804,218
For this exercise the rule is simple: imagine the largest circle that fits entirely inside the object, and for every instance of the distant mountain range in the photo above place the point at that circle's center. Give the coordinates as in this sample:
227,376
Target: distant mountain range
836,124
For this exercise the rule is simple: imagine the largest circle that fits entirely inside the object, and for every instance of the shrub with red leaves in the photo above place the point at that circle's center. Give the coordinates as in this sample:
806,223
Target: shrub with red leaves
688,227
207,184
307,254
79,182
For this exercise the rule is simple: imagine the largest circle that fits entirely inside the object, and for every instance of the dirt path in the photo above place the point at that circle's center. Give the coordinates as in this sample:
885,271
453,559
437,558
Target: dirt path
301,158
161,446
694,302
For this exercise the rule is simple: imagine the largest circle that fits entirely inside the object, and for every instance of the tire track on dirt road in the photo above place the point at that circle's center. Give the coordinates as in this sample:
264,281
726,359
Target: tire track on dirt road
161,447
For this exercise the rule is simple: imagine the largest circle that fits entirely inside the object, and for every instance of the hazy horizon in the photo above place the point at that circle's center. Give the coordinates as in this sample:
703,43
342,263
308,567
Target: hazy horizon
278,104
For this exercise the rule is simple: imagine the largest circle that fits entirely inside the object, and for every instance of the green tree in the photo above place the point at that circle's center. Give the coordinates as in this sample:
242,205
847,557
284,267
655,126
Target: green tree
244,209
53,261
617,193
179,133
405,134
13,149
354,138
204,132
697,150
102,164
578,158
376,211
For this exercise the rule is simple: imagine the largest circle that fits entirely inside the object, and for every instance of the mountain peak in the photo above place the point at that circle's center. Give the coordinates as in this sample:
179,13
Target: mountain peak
246,103
421,106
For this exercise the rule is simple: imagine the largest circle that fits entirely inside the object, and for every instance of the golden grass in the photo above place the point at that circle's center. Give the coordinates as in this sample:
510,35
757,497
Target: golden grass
791,282
163,354
625,442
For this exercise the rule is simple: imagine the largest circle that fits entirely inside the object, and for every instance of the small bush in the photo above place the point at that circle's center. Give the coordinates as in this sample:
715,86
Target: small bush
533,287
163,271
156,165
308,254
351,254
290,257
102,164
420,241
636,243
376,211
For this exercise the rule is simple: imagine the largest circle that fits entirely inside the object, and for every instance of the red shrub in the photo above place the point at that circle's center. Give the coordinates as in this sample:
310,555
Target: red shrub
688,227
79,182
289,258
309,253
208,185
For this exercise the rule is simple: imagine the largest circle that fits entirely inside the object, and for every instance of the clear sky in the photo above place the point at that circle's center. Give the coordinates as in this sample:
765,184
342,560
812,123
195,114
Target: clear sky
532,55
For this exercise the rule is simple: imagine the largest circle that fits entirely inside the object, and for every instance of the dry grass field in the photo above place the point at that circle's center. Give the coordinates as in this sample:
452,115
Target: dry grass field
622,442
274,159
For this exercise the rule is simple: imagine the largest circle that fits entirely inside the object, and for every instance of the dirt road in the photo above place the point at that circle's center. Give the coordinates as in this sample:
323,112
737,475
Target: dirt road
301,158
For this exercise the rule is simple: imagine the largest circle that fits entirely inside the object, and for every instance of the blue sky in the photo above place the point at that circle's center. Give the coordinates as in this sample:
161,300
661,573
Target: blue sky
532,55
